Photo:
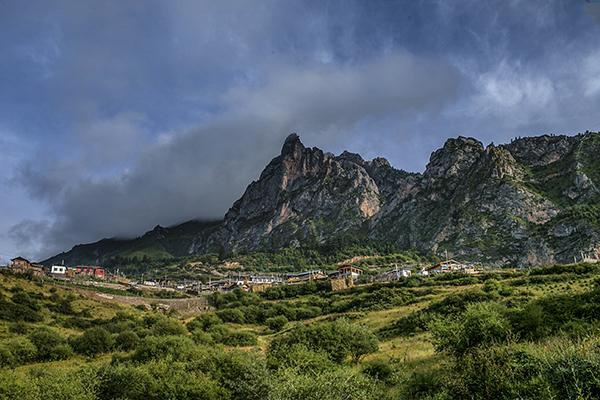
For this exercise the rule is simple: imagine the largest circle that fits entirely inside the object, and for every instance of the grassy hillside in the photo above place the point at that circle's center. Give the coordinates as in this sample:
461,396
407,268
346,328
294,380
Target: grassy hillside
501,335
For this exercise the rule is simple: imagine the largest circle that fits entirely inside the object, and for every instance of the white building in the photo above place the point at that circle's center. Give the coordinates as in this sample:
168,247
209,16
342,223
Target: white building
394,275
58,269
265,279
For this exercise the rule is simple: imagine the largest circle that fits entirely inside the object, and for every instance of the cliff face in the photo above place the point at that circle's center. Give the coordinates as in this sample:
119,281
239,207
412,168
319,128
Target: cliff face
304,196
533,201
522,203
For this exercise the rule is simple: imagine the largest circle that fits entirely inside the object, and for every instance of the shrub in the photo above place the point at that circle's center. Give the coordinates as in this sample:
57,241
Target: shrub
276,323
338,339
481,324
127,340
61,384
14,385
498,372
231,315
340,383
531,322
10,311
19,327
17,351
573,370
50,345
93,341
298,356
201,337
379,369
162,325
240,338
218,332
243,374
204,322
157,380
177,348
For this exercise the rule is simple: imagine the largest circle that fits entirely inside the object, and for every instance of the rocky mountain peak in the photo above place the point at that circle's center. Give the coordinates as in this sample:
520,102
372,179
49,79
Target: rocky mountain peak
542,150
353,157
292,146
456,157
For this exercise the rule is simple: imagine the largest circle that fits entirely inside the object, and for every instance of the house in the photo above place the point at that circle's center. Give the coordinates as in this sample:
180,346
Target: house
58,269
423,272
349,271
20,265
451,266
90,270
394,275
38,269
306,276
260,279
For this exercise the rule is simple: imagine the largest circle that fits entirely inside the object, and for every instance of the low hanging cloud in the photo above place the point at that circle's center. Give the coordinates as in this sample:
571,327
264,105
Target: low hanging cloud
198,173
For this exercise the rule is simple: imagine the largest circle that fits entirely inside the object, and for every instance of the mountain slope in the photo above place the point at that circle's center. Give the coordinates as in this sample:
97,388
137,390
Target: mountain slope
175,241
498,204
533,201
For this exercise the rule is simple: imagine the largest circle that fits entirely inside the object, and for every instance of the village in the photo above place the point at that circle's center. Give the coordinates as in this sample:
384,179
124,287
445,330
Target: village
345,276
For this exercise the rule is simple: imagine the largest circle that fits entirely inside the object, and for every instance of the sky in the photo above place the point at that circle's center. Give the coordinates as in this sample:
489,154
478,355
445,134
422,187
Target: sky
116,116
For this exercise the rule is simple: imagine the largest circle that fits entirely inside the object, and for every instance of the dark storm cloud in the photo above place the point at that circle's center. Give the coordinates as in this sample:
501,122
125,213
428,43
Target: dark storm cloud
200,172
130,114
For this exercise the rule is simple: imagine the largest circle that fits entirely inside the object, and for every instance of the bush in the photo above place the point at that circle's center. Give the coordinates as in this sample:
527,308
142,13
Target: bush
127,340
340,383
240,338
204,322
276,323
298,356
481,324
161,325
50,345
157,380
93,341
419,321
177,348
19,327
231,315
531,322
201,337
243,374
17,351
14,385
218,332
338,339
379,369
61,384
10,311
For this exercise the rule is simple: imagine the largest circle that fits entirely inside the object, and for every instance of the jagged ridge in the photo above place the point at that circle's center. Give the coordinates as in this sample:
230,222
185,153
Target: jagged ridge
529,202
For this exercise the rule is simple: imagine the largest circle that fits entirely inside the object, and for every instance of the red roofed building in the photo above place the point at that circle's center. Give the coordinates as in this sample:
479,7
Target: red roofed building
90,270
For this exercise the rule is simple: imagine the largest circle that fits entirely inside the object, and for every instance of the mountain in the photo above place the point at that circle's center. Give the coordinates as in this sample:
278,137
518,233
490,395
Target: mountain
160,242
533,201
